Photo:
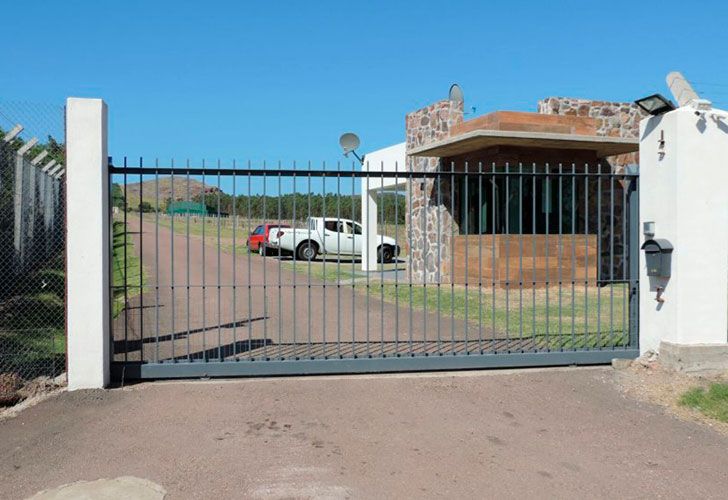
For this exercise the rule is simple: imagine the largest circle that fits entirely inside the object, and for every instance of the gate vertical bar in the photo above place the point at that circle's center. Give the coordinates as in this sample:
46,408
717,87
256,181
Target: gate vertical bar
634,263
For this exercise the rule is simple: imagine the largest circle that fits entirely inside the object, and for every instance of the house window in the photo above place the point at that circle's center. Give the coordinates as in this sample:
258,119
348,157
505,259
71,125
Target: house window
516,204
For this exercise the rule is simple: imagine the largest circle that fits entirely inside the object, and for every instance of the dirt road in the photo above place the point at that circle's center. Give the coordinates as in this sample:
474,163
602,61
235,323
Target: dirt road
565,433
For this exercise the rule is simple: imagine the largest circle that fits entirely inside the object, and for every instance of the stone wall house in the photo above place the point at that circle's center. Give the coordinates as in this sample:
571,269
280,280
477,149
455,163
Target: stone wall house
434,205
614,119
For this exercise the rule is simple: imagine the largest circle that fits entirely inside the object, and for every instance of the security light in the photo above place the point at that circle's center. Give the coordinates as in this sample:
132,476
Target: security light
655,104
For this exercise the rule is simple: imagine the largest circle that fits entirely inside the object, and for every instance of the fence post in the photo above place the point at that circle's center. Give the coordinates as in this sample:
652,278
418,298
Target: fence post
87,246
18,208
683,175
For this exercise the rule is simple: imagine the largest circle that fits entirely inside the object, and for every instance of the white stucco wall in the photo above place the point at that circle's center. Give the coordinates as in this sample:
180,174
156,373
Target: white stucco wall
684,190
87,244
389,159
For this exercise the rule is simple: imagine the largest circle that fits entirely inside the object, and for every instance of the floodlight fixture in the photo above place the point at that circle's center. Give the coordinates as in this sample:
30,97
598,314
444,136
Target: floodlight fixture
655,104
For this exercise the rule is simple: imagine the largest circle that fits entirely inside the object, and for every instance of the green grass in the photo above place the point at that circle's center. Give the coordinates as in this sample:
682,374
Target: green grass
600,315
330,272
244,227
127,274
712,403
32,323
562,319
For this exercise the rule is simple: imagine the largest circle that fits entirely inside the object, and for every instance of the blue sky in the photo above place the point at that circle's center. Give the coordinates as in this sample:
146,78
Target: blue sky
282,80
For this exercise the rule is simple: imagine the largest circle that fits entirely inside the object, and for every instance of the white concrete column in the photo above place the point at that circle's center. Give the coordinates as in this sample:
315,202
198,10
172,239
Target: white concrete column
369,224
87,244
683,179
390,159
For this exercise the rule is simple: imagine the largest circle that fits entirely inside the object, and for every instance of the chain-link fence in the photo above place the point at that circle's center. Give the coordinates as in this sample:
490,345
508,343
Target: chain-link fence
32,244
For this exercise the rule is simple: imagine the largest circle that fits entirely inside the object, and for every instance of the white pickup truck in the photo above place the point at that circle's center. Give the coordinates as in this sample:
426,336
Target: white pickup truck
325,236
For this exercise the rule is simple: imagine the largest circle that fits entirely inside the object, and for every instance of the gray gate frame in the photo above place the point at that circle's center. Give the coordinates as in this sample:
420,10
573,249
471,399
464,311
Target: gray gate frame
123,370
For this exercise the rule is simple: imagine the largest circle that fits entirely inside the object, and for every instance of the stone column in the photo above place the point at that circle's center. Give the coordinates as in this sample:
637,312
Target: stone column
424,126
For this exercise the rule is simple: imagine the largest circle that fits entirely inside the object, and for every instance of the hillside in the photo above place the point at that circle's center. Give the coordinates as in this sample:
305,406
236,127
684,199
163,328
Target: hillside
149,190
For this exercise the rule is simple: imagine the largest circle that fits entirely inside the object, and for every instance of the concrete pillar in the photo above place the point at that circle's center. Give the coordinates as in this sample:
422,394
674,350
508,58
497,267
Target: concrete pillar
683,179
87,244
369,225
19,197
390,159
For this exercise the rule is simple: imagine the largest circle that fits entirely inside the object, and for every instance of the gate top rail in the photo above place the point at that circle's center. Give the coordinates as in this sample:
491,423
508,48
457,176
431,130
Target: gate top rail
299,172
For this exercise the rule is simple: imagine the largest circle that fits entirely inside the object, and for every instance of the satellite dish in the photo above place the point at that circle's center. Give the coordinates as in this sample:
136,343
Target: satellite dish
349,142
456,93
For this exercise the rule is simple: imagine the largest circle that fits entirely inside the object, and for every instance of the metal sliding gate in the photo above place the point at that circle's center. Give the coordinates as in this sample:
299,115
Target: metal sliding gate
259,270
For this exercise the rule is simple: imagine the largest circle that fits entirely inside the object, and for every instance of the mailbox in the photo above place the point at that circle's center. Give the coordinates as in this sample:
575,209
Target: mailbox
658,254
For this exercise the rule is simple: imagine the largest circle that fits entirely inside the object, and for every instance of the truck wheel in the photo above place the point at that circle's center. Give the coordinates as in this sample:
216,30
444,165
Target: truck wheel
307,250
262,250
385,254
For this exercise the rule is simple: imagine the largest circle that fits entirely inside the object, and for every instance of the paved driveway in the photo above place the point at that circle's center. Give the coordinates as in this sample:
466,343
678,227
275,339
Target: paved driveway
559,433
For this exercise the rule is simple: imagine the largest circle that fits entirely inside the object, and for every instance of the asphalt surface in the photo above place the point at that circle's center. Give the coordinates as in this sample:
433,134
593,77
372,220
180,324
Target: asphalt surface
567,433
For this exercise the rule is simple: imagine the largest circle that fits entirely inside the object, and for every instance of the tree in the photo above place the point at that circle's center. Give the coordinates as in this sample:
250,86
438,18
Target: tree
117,197
145,207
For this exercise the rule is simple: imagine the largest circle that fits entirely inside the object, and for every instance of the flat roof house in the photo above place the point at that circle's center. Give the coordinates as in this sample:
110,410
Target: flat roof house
497,220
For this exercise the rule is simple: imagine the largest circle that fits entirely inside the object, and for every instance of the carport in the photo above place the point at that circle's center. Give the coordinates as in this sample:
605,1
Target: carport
390,159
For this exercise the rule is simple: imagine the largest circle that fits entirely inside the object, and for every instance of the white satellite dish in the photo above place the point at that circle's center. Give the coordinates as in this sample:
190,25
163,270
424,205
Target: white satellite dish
349,142
456,93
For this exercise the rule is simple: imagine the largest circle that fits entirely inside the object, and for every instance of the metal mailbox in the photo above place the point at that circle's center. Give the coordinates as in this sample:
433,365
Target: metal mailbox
658,254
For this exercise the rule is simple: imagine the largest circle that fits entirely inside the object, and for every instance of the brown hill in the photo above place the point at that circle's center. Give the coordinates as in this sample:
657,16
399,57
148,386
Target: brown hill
149,191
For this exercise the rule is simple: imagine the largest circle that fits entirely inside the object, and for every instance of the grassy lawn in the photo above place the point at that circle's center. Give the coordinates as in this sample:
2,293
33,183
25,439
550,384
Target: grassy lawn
32,324
209,225
333,272
561,319
127,272
712,402
244,227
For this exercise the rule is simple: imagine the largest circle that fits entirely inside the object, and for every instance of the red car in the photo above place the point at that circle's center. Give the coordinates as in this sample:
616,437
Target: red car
258,239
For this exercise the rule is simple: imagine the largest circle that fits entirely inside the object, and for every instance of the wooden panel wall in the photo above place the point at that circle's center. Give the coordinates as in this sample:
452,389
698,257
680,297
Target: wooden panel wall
522,260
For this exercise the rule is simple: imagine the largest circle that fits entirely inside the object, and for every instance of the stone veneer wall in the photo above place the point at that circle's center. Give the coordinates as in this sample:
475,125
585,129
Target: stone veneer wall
614,119
431,223
428,221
